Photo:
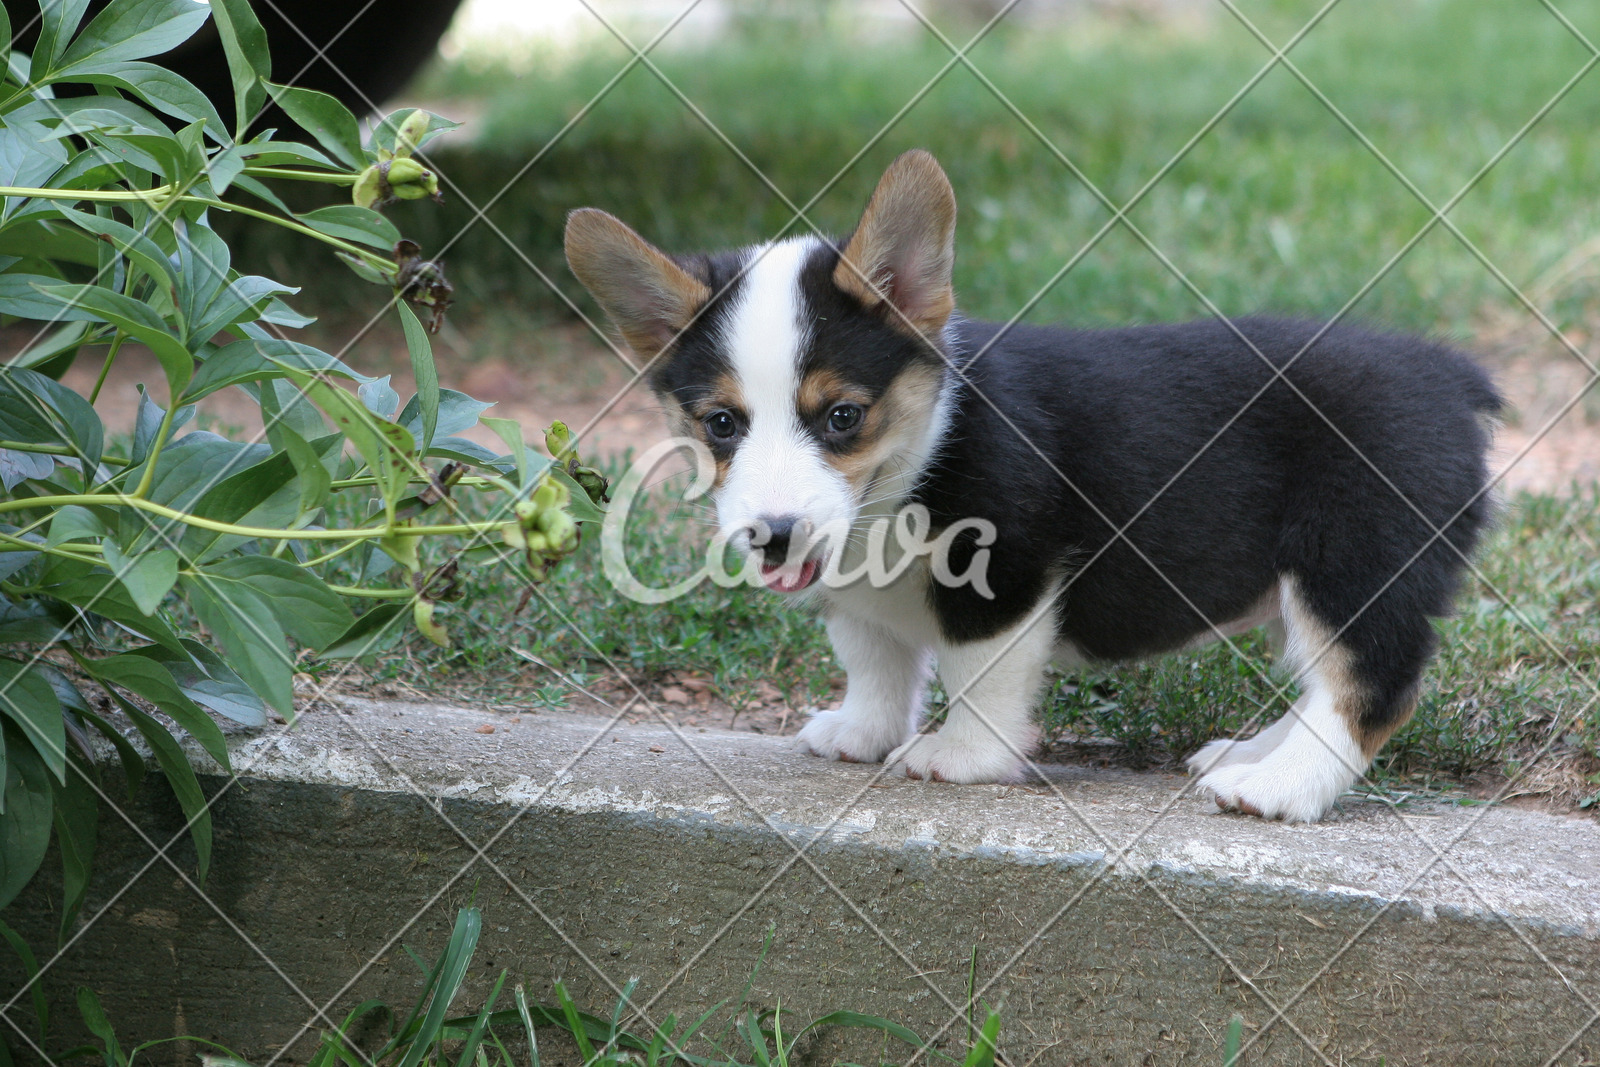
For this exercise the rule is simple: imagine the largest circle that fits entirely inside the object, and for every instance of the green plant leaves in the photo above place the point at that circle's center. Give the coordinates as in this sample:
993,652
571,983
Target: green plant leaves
25,822
251,638
130,29
386,446
251,360
150,679
451,972
27,699
57,21
164,91
135,318
99,592
329,121
244,42
175,766
211,683
350,222
76,818
427,376
148,576
370,633
304,606
95,1021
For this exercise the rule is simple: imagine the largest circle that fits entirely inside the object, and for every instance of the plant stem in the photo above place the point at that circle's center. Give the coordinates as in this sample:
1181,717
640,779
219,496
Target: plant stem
301,175
48,450
105,368
470,481
335,554
159,194
23,544
261,532
155,451
344,246
110,196
375,594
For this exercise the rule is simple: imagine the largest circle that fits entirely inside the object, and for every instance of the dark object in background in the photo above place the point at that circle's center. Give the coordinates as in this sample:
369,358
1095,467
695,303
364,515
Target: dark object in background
371,49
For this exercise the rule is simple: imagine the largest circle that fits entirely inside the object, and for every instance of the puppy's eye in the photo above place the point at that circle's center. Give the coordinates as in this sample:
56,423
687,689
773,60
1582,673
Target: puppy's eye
844,418
721,425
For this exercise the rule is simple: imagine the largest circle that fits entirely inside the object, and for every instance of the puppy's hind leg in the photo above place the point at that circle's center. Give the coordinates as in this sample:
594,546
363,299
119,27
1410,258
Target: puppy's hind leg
1226,752
886,678
1359,688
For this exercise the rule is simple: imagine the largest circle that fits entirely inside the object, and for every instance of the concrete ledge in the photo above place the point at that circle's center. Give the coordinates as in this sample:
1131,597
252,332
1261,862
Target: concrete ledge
640,852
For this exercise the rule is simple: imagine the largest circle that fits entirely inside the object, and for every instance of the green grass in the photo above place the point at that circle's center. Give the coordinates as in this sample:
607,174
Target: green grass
1278,208
1500,684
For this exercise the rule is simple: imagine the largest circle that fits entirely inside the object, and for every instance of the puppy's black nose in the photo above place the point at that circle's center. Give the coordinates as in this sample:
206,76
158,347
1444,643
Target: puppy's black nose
772,537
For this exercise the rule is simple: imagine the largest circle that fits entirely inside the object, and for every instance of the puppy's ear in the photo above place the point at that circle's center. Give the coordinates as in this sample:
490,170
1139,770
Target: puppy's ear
645,293
904,248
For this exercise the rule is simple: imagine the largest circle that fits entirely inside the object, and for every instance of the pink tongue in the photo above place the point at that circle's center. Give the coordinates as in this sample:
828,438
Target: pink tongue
782,583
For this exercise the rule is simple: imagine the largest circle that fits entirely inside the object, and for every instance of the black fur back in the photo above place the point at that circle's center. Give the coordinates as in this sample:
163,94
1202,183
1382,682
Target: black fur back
1111,416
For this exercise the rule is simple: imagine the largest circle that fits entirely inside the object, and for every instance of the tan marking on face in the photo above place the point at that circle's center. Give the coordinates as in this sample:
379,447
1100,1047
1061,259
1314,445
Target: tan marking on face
891,425
822,389
689,419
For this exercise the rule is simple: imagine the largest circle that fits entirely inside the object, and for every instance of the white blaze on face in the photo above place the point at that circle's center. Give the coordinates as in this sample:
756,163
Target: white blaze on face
778,469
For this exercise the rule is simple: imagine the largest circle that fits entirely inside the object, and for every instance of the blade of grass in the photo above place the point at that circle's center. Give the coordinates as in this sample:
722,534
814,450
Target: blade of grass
982,1053
453,971
575,1024
30,967
1230,1042
616,1012
470,1050
527,1024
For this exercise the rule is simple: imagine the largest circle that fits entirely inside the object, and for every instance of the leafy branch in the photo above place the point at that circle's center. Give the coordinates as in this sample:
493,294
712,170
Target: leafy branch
116,562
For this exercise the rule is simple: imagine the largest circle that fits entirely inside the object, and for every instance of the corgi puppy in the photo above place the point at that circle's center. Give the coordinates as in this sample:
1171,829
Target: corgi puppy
1119,493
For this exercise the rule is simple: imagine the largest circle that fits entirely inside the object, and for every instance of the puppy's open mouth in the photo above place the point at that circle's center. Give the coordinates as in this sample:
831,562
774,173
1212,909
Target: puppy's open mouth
786,579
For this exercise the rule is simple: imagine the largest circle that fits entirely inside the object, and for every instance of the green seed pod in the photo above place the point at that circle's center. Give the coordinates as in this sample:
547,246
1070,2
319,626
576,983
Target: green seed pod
368,188
422,614
547,518
526,510
411,133
557,439
593,483
561,530
538,542
410,192
404,171
544,497
511,533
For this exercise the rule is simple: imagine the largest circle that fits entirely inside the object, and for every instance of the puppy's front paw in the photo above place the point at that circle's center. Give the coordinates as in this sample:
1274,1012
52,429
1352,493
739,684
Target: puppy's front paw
1214,755
1271,791
841,735
938,758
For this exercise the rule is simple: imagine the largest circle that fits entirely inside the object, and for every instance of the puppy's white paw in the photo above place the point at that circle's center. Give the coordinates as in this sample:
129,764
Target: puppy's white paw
939,758
839,734
1214,755
1274,789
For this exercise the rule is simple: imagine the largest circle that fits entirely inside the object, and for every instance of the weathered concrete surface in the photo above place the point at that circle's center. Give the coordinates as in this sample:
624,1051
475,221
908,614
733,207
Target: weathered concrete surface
631,860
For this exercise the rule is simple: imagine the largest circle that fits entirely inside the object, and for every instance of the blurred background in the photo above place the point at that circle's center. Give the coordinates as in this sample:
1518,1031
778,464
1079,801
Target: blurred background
747,110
